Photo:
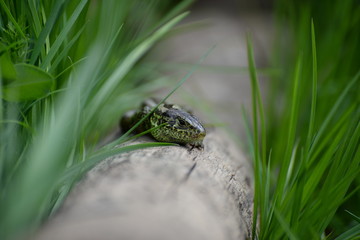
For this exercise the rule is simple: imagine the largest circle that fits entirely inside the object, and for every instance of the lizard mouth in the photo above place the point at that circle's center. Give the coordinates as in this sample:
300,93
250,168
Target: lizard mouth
200,134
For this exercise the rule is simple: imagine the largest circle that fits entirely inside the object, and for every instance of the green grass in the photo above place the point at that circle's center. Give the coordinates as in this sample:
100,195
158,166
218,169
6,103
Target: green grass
69,70
307,147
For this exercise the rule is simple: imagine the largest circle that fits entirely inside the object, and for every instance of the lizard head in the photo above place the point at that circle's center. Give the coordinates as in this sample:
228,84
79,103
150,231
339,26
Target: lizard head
179,126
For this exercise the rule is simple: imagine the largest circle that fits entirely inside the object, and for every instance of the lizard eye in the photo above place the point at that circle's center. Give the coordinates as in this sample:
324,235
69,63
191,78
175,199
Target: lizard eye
181,122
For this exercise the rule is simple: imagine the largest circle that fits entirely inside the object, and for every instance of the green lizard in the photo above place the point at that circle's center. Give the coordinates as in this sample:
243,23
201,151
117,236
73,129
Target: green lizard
178,125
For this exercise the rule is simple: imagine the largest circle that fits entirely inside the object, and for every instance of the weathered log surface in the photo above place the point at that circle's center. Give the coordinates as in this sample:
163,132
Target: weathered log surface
161,193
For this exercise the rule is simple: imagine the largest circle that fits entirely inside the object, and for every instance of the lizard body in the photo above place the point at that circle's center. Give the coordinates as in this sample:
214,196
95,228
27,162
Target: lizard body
179,126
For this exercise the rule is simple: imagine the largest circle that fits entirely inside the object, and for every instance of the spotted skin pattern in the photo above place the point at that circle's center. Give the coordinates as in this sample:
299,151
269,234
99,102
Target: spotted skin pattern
178,125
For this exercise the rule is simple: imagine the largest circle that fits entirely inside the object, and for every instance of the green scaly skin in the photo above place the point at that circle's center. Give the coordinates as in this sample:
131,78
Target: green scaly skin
179,126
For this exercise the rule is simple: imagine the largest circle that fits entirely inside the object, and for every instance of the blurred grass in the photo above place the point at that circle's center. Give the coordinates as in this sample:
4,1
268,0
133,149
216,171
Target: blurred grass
306,160
87,53
307,154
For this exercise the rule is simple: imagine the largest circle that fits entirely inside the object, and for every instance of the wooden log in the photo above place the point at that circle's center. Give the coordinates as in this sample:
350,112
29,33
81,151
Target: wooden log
161,193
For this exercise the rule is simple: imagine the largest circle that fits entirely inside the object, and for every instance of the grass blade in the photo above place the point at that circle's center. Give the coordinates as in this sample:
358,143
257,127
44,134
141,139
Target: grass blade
129,61
260,195
35,17
333,111
12,19
314,89
63,53
179,84
291,129
352,234
63,34
285,225
55,13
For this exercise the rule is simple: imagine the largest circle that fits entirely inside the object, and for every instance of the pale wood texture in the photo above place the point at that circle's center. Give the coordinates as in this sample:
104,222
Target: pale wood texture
161,193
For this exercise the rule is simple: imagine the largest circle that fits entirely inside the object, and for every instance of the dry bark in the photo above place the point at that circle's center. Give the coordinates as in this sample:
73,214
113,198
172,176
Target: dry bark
161,193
